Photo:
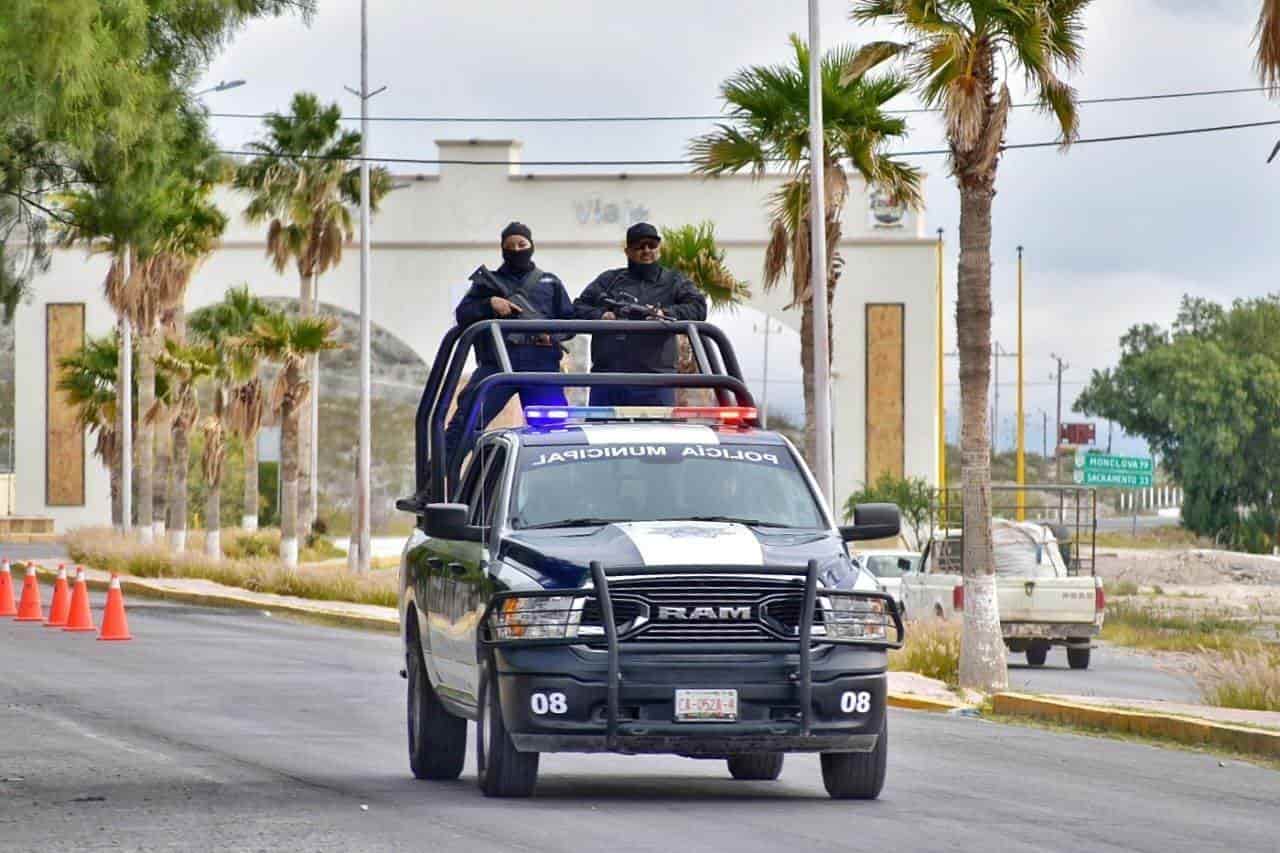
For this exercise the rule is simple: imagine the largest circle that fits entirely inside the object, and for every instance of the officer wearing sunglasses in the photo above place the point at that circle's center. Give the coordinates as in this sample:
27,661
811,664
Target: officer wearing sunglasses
643,289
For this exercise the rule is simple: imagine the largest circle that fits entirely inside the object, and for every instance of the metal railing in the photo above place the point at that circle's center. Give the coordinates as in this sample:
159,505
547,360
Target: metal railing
1070,512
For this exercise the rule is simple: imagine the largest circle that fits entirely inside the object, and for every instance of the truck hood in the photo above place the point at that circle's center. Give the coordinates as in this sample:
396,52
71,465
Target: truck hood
561,558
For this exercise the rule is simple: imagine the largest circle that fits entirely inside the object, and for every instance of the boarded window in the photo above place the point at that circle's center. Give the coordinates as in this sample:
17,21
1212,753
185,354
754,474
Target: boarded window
64,437
886,390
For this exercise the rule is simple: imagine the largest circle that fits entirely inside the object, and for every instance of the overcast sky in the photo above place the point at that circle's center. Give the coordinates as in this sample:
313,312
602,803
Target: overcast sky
1115,234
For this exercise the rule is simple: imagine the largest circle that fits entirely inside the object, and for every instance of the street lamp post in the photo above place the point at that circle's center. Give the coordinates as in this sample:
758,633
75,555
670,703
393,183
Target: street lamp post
818,263
364,454
221,87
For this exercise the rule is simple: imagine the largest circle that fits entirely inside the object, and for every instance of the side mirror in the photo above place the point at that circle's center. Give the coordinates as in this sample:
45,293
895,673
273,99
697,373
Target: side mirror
449,521
872,521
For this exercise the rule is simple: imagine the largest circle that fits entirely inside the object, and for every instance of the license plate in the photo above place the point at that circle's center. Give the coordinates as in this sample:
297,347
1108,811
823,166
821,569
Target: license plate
703,706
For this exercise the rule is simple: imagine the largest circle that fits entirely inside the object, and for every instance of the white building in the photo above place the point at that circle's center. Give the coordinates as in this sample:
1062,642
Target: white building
435,229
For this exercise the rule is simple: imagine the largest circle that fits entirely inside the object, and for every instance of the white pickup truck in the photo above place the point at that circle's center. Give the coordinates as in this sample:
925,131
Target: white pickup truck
1041,604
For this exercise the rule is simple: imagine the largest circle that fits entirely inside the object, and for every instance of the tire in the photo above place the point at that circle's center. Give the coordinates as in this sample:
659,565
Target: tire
1078,658
1037,654
857,775
501,769
437,739
756,766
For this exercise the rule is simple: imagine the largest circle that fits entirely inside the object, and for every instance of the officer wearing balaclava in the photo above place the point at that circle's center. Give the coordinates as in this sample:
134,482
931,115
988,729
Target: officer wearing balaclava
643,284
499,294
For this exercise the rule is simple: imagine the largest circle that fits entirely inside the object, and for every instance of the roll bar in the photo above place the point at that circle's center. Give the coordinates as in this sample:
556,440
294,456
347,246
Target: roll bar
435,476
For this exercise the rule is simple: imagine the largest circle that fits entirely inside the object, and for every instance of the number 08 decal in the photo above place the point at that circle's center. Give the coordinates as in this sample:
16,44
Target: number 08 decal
548,703
855,701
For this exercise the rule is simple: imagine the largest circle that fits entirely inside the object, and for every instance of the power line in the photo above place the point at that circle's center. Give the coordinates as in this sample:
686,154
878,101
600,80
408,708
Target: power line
680,162
1123,99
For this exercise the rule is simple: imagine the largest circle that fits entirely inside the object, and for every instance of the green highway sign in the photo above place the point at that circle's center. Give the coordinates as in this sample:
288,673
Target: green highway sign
1104,463
1113,479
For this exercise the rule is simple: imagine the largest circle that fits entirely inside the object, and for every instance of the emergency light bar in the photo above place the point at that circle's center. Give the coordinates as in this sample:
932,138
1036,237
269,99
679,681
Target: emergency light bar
721,415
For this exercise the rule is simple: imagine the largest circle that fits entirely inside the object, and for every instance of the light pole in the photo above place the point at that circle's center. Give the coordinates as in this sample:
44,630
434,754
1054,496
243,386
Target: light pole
818,264
1057,441
1022,426
764,393
364,454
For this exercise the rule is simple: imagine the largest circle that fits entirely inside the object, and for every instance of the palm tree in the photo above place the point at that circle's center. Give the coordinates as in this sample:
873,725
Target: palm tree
304,182
88,379
769,109
1268,61
157,229
960,55
223,327
290,342
185,366
110,218
692,249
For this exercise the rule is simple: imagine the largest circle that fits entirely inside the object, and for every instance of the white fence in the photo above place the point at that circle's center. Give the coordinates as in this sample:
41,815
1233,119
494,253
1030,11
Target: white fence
1156,497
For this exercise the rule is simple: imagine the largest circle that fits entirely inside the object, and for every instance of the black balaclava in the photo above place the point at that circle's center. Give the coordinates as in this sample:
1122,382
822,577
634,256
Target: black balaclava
518,261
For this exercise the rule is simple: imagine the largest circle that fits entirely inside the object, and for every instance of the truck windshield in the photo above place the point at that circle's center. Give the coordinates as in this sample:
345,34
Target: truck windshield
573,485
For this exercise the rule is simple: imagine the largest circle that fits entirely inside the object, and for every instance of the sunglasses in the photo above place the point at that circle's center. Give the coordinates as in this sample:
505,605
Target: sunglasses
649,245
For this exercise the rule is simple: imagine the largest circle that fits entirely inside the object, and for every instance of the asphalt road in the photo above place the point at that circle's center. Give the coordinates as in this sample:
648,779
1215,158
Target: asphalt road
234,730
1114,672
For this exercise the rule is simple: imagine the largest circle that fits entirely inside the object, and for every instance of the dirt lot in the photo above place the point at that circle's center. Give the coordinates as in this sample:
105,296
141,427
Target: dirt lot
1199,580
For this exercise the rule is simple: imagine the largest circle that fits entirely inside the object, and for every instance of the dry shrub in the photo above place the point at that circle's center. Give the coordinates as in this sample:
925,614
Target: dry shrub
108,550
1241,679
932,649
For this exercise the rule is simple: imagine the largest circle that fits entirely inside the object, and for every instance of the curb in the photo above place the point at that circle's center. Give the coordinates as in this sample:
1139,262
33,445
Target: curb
312,613
1188,730
920,703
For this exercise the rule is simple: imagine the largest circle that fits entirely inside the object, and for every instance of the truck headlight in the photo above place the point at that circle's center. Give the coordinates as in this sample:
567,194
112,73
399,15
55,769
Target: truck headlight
854,618
536,618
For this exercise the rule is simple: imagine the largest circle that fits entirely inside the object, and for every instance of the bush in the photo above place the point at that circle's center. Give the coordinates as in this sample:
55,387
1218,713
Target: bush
911,494
932,649
105,549
1165,629
1248,679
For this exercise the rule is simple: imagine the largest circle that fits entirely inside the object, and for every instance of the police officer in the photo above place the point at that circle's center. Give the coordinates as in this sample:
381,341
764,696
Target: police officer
642,287
500,294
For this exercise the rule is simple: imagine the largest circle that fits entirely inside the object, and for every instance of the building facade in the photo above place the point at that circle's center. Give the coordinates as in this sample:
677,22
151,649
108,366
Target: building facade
433,230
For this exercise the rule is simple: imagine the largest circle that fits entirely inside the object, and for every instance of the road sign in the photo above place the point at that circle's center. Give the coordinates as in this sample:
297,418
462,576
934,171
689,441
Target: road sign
1078,434
1112,479
1106,464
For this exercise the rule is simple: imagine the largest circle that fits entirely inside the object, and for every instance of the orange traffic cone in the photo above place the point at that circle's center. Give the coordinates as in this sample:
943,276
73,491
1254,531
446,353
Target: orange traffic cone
30,609
79,619
114,624
7,607
60,607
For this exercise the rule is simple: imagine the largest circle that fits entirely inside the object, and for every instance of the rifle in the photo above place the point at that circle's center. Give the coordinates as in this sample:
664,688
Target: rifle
631,310
528,311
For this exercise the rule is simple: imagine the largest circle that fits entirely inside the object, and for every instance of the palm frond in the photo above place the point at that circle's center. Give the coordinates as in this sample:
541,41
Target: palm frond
1268,38
692,249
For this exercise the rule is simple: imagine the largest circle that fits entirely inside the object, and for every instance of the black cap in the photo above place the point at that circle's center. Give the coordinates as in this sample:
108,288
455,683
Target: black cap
517,228
641,231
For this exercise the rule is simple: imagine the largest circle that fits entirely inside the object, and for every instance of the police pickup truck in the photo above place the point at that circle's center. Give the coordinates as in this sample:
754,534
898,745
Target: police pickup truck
636,580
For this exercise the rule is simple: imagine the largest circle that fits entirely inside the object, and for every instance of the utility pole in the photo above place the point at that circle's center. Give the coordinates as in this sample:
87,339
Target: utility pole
124,392
764,397
1057,441
364,454
996,352
818,264
1022,431
942,398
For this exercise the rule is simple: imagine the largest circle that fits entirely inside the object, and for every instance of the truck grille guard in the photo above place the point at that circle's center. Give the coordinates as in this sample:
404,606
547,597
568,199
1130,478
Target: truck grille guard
503,625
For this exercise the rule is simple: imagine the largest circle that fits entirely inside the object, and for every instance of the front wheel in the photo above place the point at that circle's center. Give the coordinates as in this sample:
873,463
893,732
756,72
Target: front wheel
756,766
1078,657
857,775
502,770
437,739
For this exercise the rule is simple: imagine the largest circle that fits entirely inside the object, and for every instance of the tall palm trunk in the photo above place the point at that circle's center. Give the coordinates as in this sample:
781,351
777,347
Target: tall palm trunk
249,515
982,663
160,477
178,498
306,425
213,526
117,505
117,458
289,454
146,435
